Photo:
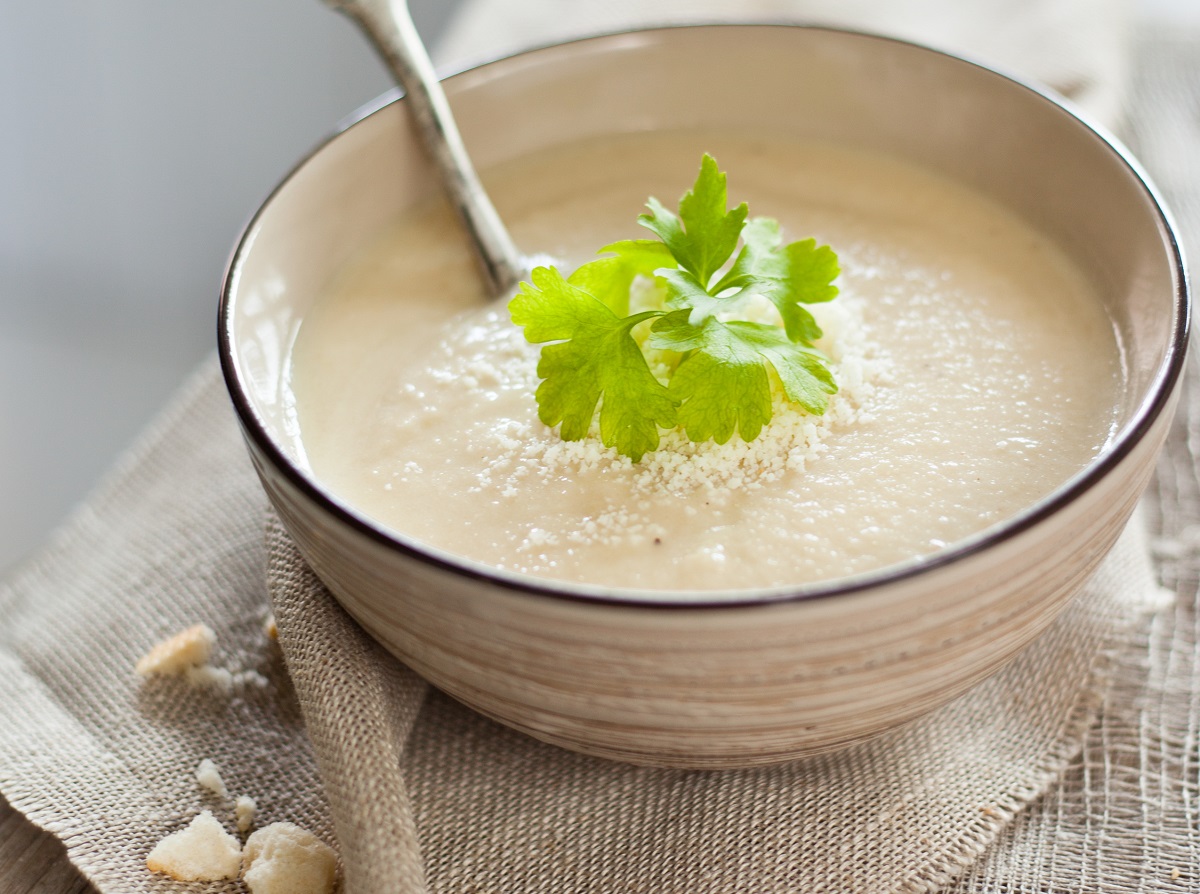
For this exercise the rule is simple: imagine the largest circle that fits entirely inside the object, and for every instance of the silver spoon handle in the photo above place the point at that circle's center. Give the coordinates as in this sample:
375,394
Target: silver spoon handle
390,29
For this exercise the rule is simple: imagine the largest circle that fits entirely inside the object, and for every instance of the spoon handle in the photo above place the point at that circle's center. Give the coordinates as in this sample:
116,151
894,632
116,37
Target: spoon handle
389,27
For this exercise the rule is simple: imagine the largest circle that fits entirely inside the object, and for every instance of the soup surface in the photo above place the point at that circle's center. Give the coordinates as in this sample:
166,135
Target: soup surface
977,372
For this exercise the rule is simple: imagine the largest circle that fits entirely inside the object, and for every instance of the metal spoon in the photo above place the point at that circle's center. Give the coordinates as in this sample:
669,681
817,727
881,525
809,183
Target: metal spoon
389,27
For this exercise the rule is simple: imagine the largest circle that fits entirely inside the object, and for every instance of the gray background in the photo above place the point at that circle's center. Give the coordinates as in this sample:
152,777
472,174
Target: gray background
137,136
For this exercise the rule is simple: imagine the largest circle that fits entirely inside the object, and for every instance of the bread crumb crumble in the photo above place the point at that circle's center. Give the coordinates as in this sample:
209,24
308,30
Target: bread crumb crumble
206,676
283,858
201,852
188,654
209,777
187,649
245,809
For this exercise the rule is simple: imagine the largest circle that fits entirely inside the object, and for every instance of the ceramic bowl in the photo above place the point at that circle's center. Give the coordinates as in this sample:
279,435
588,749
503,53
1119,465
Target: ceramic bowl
697,680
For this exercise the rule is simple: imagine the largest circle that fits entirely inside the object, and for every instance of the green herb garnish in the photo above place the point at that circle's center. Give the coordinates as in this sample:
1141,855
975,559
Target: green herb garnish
717,367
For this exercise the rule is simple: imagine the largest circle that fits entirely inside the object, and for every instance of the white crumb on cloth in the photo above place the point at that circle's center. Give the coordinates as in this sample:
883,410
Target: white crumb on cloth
245,809
250,677
188,654
283,858
190,648
209,776
207,676
200,852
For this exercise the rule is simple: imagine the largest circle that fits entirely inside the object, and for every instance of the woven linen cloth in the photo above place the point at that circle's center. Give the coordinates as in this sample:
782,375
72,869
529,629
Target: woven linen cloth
459,804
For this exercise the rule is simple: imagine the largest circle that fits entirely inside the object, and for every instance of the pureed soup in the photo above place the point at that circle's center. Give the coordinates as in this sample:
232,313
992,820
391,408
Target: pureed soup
976,370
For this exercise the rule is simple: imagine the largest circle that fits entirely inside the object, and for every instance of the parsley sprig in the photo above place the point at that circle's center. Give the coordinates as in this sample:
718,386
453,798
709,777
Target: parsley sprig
718,366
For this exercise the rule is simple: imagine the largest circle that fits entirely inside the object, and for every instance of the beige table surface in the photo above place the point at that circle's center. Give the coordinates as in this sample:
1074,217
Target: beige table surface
32,861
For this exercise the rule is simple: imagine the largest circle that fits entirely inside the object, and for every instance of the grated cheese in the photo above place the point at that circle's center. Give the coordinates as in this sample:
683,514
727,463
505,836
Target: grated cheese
518,450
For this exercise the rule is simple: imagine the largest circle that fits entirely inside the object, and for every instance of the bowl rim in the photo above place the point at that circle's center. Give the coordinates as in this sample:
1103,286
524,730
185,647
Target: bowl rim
1159,394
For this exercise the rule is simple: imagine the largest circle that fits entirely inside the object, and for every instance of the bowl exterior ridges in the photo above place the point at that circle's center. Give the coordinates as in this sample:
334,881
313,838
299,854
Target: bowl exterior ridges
717,686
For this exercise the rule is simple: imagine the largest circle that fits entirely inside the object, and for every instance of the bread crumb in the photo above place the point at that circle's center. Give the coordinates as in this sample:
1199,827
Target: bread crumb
270,628
250,677
201,852
186,649
244,811
282,858
187,654
208,677
209,776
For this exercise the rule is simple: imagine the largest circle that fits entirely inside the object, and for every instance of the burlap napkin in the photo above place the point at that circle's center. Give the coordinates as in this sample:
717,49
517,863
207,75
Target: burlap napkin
422,791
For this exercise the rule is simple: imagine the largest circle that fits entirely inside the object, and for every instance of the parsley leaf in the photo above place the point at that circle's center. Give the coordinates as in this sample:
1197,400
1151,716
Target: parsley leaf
786,275
595,354
722,384
704,235
721,367
609,279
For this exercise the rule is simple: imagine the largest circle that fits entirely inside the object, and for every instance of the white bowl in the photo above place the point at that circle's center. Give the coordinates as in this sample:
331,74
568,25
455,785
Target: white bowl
698,680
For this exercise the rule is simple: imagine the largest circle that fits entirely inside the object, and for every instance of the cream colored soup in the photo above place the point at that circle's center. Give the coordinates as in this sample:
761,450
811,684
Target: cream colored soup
977,373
